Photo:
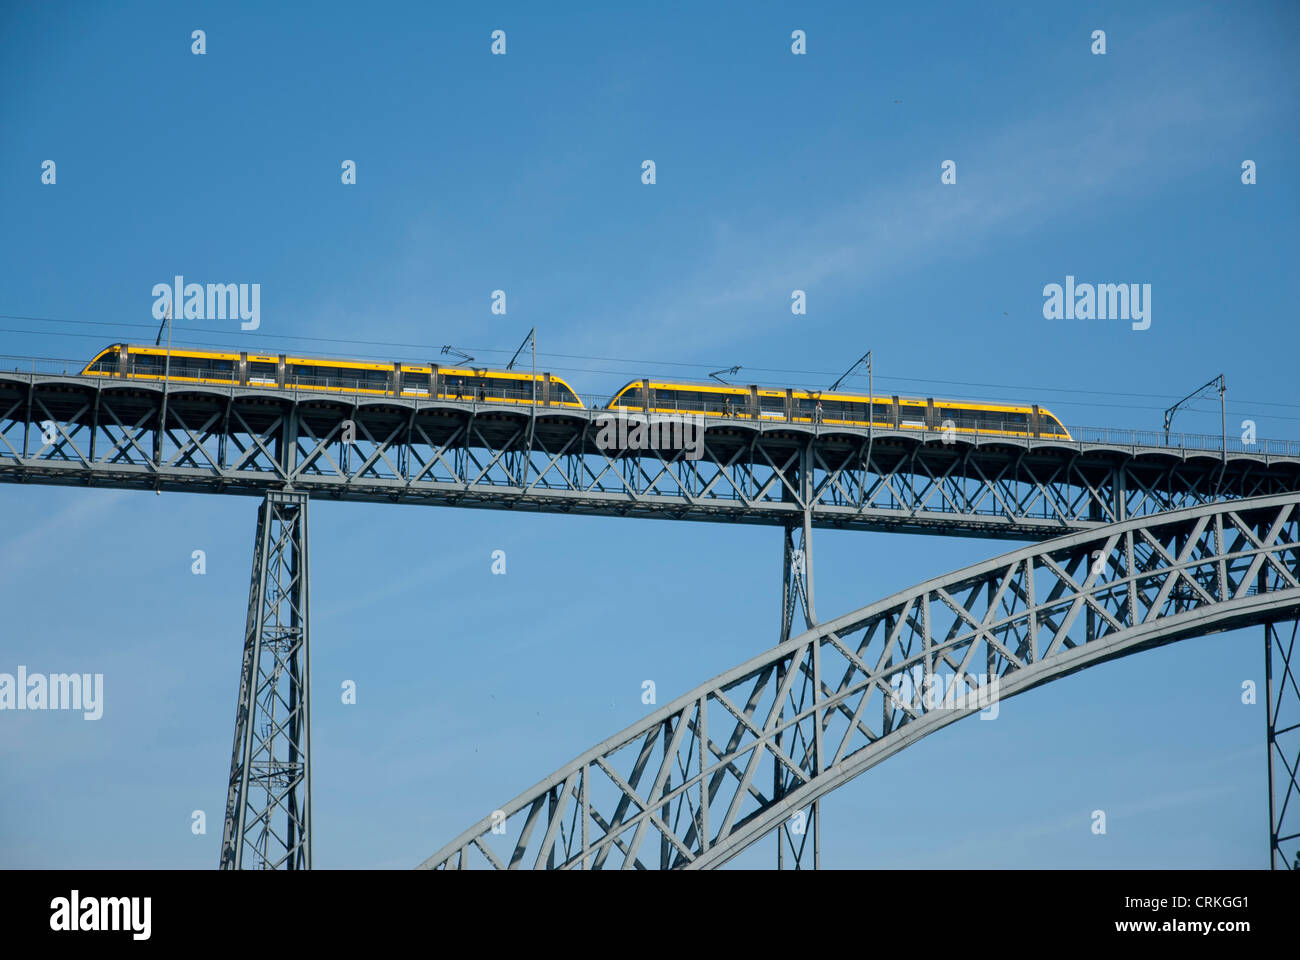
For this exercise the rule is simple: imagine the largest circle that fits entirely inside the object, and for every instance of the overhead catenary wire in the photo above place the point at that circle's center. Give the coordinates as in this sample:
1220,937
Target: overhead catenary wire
639,371
575,356
639,366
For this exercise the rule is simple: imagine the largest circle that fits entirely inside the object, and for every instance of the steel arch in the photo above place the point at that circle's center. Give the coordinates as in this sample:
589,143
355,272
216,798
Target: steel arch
878,675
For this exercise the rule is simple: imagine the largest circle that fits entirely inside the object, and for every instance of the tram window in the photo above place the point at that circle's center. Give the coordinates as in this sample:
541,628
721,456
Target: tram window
324,375
560,393
772,404
414,381
369,379
261,372
206,368
1002,420
629,398
521,389
347,377
147,364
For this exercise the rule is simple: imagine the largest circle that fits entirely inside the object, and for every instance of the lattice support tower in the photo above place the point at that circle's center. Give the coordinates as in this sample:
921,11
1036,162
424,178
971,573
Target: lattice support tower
268,806
1282,690
793,850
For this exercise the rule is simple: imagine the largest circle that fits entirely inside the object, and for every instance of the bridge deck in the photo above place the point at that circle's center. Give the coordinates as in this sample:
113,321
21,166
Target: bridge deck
67,429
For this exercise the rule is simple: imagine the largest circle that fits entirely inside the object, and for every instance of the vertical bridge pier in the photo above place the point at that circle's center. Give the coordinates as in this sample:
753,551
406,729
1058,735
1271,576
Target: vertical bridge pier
797,693
268,804
1283,731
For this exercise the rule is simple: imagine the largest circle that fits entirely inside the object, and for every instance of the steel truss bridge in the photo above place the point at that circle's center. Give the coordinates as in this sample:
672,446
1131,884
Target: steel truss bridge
699,780
1175,533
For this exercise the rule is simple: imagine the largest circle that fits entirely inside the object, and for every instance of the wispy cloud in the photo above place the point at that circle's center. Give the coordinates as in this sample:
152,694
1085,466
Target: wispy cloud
1108,146
49,535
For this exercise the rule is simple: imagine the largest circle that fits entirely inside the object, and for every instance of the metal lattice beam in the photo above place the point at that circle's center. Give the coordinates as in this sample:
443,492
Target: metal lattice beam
798,840
268,804
1282,690
97,432
691,777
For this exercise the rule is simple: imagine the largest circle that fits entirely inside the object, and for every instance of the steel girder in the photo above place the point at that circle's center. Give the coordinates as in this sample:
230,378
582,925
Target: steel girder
798,840
98,432
1281,665
793,850
687,781
268,803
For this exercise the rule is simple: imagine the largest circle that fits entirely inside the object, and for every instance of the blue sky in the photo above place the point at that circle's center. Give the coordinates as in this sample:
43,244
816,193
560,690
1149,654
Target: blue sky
522,172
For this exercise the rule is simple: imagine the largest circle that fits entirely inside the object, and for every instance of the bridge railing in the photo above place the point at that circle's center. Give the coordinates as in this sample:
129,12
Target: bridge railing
1183,441
52,366
1212,443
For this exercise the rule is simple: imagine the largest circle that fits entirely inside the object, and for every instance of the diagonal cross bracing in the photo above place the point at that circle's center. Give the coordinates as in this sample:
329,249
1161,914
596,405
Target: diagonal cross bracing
251,441
1026,618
